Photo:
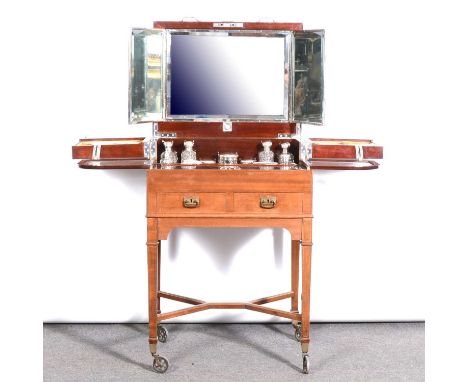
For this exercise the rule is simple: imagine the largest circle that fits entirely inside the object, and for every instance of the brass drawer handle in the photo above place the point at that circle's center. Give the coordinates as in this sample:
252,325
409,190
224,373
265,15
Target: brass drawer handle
268,202
191,202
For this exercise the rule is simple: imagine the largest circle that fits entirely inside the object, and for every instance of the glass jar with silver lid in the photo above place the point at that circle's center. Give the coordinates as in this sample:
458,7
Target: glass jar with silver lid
266,155
285,157
189,155
168,156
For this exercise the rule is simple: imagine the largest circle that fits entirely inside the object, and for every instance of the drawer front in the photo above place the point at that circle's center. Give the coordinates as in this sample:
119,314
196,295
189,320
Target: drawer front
191,203
242,181
268,203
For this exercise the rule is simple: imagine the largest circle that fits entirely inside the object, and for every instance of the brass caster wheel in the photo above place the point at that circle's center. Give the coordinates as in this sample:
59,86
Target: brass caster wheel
298,332
162,334
305,363
160,364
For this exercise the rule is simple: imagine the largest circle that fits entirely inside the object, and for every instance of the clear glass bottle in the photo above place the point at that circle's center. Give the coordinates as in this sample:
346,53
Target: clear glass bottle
266,155
168,156
189,155
285,157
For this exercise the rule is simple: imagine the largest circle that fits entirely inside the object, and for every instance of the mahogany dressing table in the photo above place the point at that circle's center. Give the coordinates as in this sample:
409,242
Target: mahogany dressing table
165,90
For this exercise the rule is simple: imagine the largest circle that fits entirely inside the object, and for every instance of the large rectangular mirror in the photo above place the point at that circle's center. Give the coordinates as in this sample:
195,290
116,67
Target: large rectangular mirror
233,75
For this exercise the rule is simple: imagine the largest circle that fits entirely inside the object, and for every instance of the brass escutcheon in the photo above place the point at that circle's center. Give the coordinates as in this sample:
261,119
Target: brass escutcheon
191,202
268,202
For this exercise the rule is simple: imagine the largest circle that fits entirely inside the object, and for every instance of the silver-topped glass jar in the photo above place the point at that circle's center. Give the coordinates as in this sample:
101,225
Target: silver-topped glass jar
168,156
285,157
266,155
189,155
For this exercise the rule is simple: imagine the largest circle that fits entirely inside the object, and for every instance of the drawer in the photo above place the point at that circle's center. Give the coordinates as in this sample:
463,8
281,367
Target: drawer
191,203
273,203
242,181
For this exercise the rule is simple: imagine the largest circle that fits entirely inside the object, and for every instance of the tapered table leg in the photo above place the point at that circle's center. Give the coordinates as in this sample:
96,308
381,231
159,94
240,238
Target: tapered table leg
153,282
295,246
306,245
306,265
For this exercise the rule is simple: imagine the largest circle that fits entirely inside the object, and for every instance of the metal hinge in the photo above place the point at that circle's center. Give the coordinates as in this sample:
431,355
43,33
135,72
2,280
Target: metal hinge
96,152
359,152
167,135
306,151
150,148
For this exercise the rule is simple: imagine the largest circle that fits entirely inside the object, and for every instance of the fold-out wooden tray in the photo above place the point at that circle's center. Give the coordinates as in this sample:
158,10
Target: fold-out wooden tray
109,148
344,154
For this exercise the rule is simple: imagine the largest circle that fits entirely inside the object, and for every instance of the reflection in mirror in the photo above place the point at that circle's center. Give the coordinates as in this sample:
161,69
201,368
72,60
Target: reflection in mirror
145,76
220,74
138,74
308,77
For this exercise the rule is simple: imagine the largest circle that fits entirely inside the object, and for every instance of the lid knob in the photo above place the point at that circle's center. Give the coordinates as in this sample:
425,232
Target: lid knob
267,145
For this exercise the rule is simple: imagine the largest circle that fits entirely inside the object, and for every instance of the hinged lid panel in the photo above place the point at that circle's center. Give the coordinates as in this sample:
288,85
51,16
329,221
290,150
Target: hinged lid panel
109,148
307,98
335,148
341,154
145,96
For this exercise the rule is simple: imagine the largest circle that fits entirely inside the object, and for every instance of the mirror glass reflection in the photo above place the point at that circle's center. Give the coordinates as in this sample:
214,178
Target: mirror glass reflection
226,75
146,75
308,77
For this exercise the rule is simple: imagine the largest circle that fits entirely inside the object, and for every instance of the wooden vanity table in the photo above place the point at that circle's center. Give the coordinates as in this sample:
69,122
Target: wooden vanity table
207,193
